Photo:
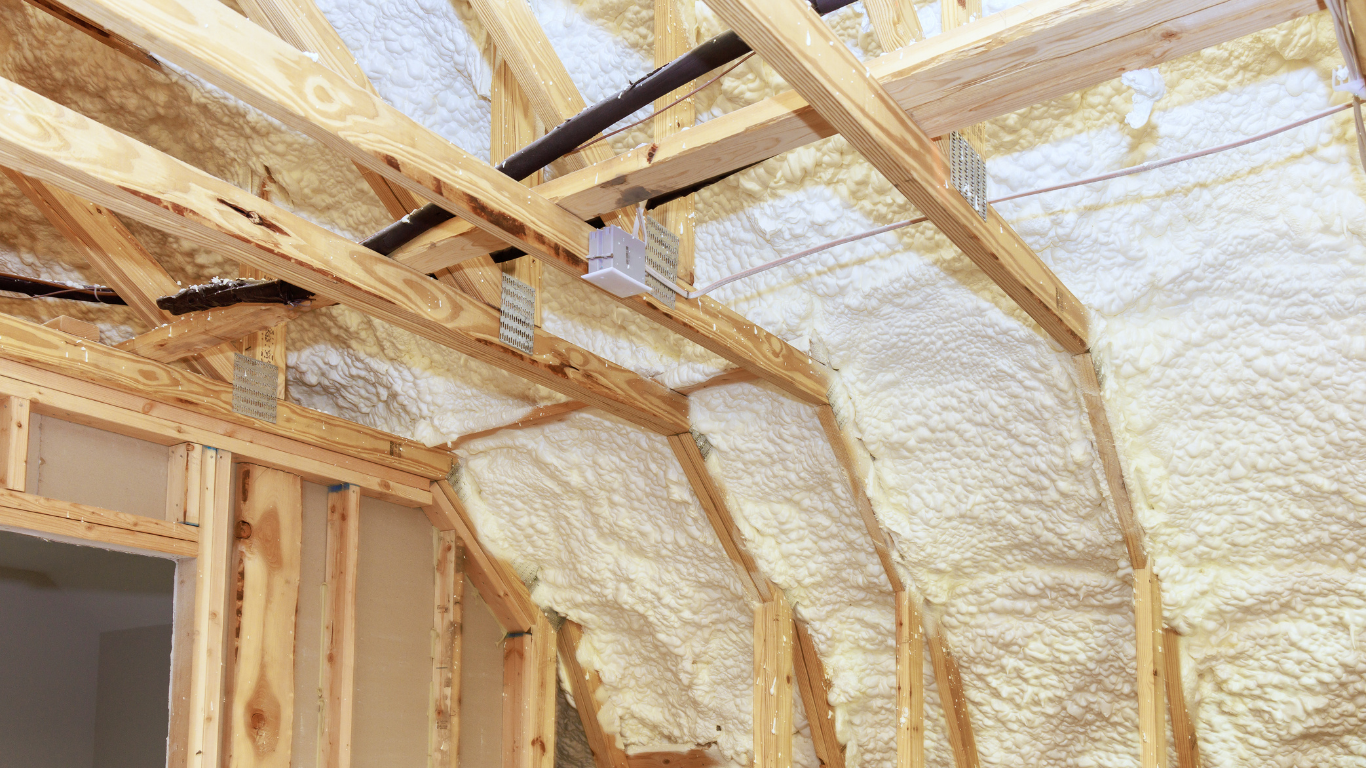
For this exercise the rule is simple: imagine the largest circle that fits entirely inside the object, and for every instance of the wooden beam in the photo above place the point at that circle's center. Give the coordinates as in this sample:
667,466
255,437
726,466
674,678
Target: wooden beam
36,514
204,744
1152,705
210,40
192,333
1183,727
673,38
882,543
183,482
184,393
895,22
14,417
98,33
584,686
693,758
337,684
499,585
529,692
1089,382
301,24
952,699
1024,55
112,250
1356,19
713,502
773,673
182,664
815,691
166,193
447,632
910,683
269,534
794,41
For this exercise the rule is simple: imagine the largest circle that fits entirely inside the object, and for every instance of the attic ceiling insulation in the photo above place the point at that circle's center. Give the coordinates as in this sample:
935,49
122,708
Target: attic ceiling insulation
1226,297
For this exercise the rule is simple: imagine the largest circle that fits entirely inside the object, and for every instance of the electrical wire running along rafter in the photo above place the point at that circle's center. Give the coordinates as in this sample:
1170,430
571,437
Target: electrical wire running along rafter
1155,164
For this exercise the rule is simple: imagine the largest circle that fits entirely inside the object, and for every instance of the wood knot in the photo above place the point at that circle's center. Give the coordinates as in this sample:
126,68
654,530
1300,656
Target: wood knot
243,529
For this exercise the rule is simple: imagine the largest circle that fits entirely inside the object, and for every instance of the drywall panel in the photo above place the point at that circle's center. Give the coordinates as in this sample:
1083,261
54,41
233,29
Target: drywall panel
308,628
76,463
131,716
481,683
394,603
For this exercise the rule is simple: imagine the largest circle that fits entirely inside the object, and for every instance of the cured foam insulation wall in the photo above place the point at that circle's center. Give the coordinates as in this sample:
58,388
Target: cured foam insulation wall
395,578
600,520
1226,323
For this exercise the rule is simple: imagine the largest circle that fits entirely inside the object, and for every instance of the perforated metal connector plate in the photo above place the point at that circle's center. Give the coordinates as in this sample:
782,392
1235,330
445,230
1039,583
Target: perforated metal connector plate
968,173
661,253
253,388
517,320
703,443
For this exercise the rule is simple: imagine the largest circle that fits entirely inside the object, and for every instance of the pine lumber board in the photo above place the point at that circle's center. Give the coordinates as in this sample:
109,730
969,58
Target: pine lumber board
529,680
713,501
117,370
910,683
773,675
499,585
337,683
182,661
65,324
953,700
1025,55
895,22
14,422
169,194
269,545
1129,527
584,685
192,333
210,654
1183,726
1152,706
447,635
183,482
208,39
693,758
794,41
814,687
38,514
137,277
674,33
81,402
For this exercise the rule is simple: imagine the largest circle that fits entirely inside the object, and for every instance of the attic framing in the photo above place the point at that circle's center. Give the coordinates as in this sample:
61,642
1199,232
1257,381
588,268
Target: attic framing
79,171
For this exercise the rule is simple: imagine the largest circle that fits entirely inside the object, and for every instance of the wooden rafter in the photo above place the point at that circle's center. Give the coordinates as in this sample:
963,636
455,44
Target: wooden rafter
189,334
815,690
137,277
895,22
209,40
794,41
584,685
1129,527
301,24
162,191
882,543
952,699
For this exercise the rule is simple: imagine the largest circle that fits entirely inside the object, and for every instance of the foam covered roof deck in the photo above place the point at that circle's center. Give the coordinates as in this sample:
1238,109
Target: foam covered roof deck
1228,322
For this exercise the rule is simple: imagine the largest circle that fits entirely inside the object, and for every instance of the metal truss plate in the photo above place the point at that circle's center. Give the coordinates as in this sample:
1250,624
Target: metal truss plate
703,443
968,173
661,253
517,320
253,388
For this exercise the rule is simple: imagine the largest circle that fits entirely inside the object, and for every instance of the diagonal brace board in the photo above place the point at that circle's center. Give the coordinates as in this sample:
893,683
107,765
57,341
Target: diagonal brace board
795,42
209,40
46,140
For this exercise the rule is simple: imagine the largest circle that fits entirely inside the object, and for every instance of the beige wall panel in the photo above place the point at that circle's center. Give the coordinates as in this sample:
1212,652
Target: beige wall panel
393,637
76,463
481,684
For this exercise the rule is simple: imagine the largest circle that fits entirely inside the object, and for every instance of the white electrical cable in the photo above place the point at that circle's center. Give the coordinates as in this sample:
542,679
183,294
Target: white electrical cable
1353,82
1103,177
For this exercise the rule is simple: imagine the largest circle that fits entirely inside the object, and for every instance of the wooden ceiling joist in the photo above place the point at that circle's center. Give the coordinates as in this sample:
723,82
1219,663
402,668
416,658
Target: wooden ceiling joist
189,334
166,193
894,22
208,39
807,53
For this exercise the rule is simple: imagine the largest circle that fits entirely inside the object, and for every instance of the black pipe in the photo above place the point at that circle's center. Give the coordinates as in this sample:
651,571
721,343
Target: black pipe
225,293
46,289
572,133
